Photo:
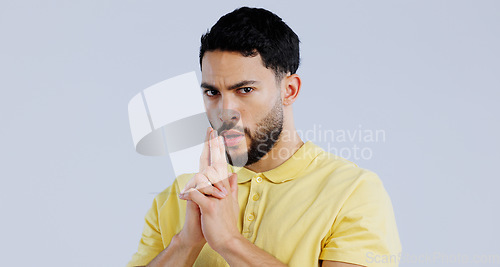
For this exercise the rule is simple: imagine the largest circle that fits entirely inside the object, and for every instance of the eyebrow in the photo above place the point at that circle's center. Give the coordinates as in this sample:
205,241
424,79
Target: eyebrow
232,87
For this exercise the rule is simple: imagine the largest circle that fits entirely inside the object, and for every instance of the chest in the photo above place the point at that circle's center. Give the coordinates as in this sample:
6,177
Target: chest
289,221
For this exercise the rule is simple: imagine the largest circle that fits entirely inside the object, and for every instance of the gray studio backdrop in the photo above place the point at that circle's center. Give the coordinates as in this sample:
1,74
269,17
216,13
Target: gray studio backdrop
424,75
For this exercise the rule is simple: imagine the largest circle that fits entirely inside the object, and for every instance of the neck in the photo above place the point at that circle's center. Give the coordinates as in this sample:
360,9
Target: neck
282,150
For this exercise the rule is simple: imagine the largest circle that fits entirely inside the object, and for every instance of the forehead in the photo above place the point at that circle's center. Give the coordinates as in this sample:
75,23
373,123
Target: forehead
228,66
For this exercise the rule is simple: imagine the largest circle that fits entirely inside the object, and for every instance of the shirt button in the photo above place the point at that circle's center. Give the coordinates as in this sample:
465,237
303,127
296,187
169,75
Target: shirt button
259,179
248,235
255,197
250,217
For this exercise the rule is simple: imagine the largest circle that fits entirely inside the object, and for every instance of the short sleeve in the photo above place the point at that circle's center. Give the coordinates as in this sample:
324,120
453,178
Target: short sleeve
151,243
365,231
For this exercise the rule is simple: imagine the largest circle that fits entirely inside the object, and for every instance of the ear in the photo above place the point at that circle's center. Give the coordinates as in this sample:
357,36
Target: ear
291,88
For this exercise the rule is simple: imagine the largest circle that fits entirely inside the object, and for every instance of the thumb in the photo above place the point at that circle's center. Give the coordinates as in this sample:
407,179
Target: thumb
198,198
192,208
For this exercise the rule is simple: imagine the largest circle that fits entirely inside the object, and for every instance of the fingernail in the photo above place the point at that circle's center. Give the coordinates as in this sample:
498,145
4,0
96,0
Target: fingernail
224,191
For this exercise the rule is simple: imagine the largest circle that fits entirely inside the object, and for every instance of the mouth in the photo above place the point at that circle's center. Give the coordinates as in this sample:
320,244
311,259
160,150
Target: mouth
232,137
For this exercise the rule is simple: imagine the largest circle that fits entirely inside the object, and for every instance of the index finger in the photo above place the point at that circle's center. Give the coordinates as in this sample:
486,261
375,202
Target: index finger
217,151
218,157
223,162
205,154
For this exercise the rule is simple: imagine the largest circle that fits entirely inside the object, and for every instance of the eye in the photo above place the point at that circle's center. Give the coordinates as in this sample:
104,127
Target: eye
211,93
245,90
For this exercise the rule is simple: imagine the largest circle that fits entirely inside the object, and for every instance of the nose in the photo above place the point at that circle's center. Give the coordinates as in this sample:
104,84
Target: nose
228,113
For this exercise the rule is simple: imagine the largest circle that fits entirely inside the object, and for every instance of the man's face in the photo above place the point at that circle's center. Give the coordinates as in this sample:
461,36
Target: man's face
243,104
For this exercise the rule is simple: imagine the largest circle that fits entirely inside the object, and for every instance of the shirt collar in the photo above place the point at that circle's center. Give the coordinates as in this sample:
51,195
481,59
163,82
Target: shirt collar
288,170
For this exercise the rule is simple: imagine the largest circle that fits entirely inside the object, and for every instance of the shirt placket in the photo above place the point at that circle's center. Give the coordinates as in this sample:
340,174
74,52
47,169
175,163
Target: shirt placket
252,208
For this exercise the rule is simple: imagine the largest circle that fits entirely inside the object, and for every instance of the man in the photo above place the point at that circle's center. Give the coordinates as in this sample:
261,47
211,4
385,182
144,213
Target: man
279,201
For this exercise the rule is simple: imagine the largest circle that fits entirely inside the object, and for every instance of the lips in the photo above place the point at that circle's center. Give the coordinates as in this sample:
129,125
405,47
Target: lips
232,137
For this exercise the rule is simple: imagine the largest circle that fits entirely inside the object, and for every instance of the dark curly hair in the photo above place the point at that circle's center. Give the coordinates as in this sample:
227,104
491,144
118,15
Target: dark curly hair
253,31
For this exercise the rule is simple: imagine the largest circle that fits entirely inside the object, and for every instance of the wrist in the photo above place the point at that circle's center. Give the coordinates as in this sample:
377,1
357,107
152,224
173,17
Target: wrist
231,245
239,251
184,242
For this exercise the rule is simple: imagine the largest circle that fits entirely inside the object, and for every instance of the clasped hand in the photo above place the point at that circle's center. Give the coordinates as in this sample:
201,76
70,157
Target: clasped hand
212,199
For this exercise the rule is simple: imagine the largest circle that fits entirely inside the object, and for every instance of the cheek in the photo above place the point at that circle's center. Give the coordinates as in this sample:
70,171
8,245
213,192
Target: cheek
253,114
211,115
247,119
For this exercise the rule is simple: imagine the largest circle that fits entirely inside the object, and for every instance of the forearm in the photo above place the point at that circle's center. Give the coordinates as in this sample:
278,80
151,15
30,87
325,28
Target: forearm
176,254
241,252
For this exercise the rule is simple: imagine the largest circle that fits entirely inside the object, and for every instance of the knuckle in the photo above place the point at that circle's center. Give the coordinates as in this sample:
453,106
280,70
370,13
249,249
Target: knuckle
200,177
194,179
210,168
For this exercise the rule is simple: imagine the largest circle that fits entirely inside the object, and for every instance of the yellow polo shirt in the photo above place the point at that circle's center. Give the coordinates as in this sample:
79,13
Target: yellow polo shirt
315,206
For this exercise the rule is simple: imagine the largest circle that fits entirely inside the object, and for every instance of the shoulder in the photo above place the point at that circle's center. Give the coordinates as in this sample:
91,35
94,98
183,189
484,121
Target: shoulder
339,172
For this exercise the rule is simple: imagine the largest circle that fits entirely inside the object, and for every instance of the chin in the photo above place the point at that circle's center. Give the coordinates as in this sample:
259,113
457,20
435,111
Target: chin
238,155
